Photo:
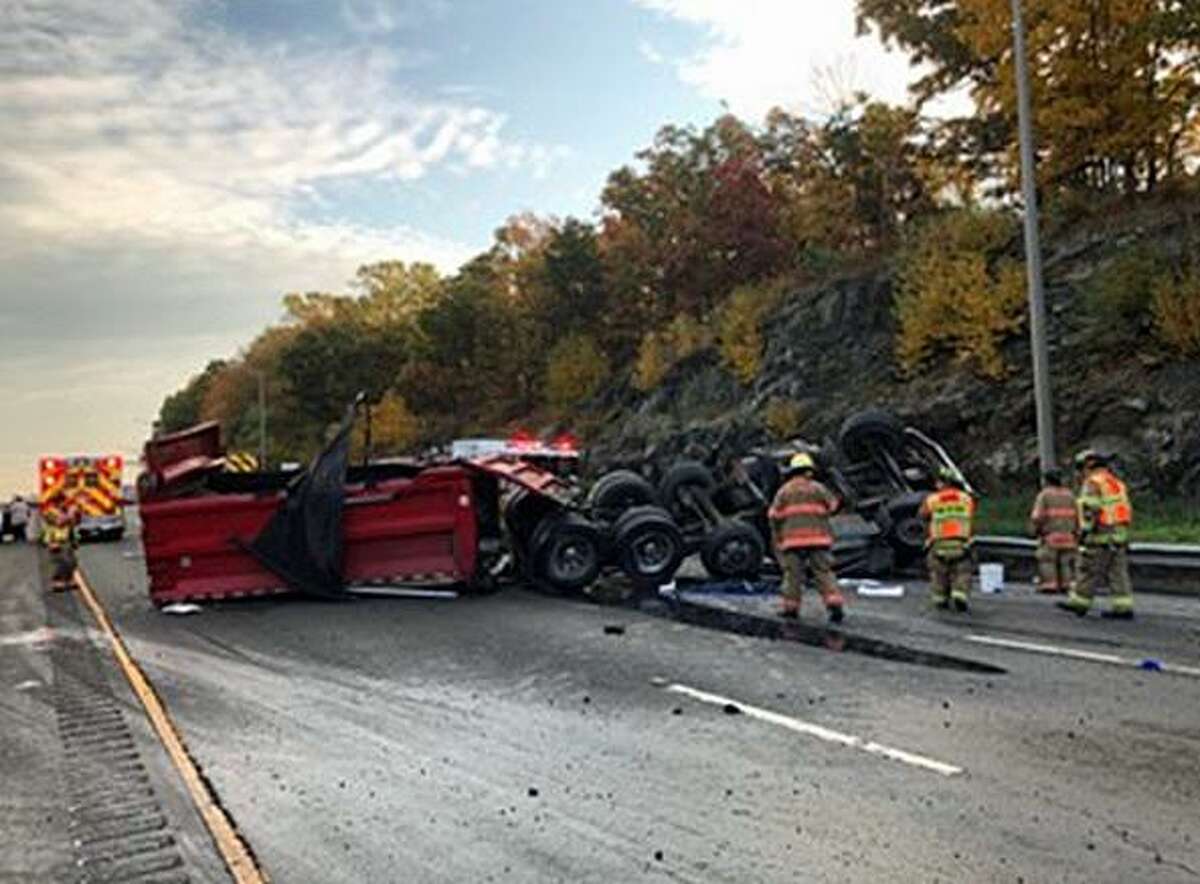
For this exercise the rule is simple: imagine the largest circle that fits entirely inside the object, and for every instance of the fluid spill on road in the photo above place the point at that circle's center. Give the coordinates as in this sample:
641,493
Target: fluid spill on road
835,640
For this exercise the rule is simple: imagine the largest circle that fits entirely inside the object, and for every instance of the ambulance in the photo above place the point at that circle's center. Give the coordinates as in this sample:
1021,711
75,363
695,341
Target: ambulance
88,485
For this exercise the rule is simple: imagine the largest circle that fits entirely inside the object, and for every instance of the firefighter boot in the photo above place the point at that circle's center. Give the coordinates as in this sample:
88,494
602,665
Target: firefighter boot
961,605
1122,608
836,611
790,608
1075,604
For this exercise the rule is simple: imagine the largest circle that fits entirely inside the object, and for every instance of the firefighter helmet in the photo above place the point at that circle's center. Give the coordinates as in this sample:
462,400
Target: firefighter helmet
1088,455
950,476
802,463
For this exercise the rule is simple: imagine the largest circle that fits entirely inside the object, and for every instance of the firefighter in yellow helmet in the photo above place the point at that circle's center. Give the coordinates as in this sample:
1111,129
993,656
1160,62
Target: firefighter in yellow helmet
803,538
61,541
949,513
1054,521
1106,516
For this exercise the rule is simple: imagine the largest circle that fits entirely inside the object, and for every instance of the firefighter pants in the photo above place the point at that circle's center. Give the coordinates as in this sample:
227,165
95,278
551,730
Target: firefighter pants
798,565
1104,566
62,566
1056,568
950,575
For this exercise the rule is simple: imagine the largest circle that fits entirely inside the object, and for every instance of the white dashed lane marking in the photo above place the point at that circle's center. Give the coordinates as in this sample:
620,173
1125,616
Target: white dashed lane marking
1079,654
809,729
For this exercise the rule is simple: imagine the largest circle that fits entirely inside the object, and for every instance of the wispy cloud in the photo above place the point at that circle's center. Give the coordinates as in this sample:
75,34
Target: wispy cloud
759,54
381,17
164,179
121,119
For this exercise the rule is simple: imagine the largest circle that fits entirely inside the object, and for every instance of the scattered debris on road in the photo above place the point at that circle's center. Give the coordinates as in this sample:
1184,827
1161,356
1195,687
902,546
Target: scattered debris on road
181,609
873,589
614,629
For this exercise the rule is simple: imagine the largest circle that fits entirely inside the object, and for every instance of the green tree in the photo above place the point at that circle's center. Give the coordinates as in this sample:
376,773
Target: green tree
697,220
182,409
575,370
959,296
1116,82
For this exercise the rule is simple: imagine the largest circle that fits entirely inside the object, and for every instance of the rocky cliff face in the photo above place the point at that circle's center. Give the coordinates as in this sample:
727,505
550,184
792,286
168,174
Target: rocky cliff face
829,350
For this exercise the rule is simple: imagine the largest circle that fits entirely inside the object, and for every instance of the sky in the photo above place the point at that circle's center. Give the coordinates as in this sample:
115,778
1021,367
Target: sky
170,168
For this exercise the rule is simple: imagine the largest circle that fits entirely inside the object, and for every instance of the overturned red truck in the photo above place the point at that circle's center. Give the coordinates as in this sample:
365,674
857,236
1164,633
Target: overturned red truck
211,534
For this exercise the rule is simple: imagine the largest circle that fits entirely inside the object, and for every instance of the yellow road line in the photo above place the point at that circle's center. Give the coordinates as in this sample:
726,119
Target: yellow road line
233,849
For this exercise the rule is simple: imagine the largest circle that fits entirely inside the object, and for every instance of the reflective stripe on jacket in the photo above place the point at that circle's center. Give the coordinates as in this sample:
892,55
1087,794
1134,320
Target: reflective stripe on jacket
800,515
950,514
57,535
1105,507
1055,518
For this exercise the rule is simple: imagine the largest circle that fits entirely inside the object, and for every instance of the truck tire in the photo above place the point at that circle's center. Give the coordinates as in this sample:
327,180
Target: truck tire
734,551
685,474
764,472
618,491
867,430
567,552
904,528
649,545
524,512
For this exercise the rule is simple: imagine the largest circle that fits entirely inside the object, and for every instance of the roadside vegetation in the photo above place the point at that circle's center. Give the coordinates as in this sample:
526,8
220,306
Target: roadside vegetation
1157,519
708,231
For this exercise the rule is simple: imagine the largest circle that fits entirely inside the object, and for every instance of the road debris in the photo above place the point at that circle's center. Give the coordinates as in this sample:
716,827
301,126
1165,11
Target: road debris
870,589
181,609
614,629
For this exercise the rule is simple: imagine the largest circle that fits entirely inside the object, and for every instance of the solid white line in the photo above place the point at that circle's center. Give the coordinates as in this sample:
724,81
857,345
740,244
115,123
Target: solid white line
1077,654
821,733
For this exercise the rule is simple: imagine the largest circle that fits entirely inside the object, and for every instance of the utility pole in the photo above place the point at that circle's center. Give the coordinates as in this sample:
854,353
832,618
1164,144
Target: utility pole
262,421
1033,250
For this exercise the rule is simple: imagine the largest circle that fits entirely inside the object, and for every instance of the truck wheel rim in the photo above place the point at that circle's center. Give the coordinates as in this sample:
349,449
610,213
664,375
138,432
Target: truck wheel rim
734,555
573,559
652,553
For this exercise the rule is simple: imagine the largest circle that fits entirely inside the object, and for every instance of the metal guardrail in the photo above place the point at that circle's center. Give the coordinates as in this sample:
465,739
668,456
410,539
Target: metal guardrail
1156,566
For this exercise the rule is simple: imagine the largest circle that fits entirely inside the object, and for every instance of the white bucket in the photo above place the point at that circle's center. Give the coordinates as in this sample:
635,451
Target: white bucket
991,578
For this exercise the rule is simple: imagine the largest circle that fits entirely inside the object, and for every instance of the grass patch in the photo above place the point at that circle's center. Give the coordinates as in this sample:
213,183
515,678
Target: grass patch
1156,519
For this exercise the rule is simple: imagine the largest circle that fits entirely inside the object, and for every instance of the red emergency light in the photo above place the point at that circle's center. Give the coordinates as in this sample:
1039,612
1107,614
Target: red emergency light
523,439
565,442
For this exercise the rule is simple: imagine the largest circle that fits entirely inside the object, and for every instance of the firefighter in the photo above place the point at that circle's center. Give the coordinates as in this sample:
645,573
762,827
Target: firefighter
804,538
61,541
1054,521
949,512
1106,517
18,514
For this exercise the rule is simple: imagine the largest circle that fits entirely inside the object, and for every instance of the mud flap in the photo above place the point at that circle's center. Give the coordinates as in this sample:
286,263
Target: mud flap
303,542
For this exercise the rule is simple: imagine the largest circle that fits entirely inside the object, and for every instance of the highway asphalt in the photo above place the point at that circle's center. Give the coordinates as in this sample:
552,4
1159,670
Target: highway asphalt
524,738
87,793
